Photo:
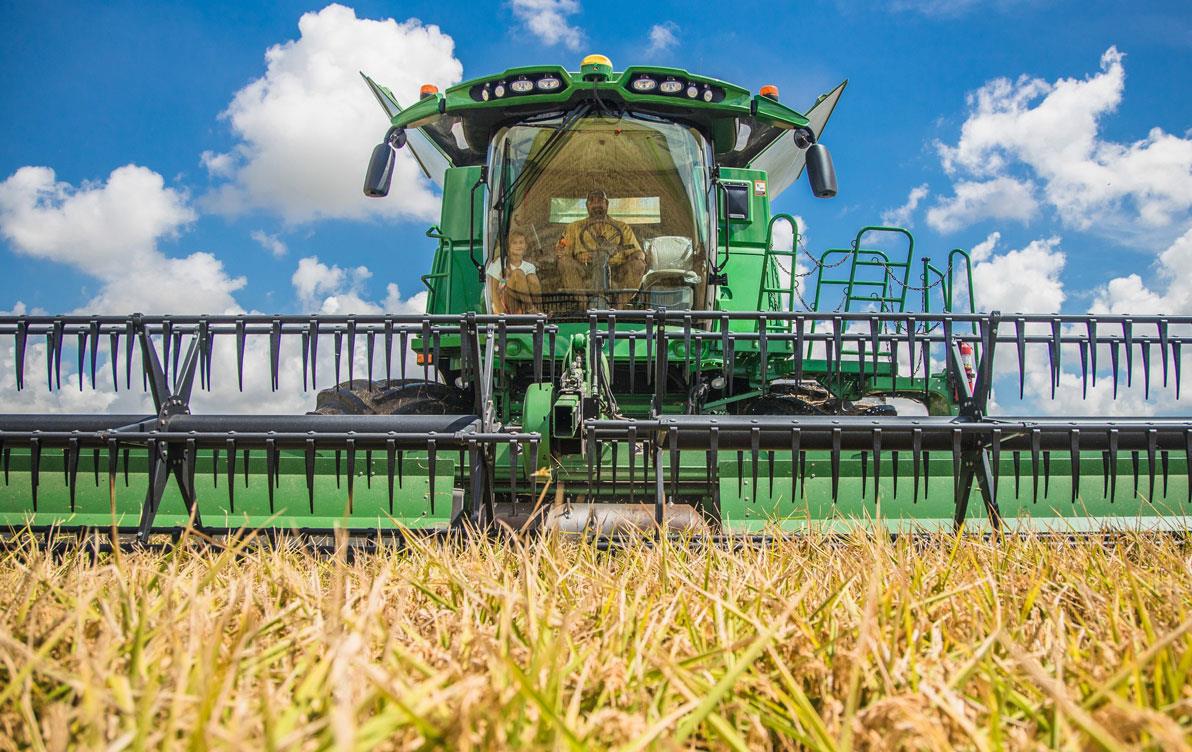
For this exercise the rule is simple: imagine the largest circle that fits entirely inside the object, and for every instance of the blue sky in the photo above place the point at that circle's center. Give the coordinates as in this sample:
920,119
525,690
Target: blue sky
1052,137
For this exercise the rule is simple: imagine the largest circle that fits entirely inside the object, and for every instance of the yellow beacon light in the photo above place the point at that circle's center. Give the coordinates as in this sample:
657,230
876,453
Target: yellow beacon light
596,68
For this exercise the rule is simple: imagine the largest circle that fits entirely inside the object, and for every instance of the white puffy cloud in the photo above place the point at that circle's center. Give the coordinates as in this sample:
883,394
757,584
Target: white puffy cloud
98,226
307,127
1052,132
1130,294
663,38
1001,279
902,216
549,21
110,230
1003,198
275,245
332,289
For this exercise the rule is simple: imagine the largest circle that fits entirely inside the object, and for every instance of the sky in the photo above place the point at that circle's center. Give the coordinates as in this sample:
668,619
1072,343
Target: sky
174,157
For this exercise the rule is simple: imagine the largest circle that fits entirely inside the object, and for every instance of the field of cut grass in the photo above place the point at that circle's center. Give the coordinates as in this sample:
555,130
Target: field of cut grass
550,643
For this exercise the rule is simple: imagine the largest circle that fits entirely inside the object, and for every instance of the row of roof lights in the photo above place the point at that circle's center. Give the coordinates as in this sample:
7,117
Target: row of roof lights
671,85
520,85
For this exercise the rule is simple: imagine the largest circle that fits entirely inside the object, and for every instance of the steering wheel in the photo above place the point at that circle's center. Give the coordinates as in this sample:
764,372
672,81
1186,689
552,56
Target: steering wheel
592,237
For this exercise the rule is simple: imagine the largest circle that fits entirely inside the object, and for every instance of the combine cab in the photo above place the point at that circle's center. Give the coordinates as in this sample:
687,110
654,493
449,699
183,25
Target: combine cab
613,341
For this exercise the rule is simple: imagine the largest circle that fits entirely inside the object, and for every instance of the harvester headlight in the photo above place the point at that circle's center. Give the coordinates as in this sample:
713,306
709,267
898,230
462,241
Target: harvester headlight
644,84
692,91
484,93
549,83
670,86
499,90
521,86
707,94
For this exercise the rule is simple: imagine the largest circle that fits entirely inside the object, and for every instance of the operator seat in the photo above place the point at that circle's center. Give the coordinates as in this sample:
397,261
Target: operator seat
671,279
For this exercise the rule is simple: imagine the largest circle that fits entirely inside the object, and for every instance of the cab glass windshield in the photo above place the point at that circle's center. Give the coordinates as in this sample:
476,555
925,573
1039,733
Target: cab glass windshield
597,211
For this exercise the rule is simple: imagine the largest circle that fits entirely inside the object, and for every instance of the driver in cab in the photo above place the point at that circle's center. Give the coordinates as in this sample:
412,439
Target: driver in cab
587,240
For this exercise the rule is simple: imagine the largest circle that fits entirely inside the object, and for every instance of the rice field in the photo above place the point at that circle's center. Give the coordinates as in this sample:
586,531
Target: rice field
552,643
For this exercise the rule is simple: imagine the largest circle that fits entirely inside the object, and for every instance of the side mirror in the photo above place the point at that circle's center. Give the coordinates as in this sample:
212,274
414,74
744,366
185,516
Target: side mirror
820,171
380,165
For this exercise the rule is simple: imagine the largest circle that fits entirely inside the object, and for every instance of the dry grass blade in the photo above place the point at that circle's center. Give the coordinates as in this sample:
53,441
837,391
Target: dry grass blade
551,642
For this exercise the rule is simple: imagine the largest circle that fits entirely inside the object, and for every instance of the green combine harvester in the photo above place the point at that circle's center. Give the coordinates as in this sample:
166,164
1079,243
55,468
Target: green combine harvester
613,343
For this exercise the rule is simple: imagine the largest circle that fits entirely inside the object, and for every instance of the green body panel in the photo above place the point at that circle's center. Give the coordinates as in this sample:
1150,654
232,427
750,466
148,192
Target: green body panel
746,505
454,283
251,507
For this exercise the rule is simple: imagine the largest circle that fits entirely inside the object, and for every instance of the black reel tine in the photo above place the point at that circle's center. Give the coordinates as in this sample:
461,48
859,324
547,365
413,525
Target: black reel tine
770,468
425,359
864,474
247,465
370,343
632,363
130,332
1053,348
956,465
432,449
81,351
1074,462
995,459
1152,437
390,461
916,460
1091,328
1175,365
894,470
1128,339
270,469
537,348
1036,440
875,329
513,447
94,462
309,458
389,351
534,469
1134,463
240,343
113,359
877,464
1165,465
20,342
799,348
674,464
403,349
1020,344
835,464
215,468
1162,327
796,453
338,346
1188,460
1113,462
314,353
1046,474
755,434
351,452
590,451
338,470
633,459
34,468
71,456
231,444
274,354
1084,369
1113,359
763,351
351,350
1016,457
1145,347
305,358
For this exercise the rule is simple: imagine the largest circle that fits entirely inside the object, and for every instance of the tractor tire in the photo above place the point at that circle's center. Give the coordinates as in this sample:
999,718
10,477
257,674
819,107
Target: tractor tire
393,397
